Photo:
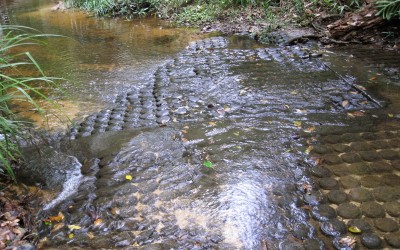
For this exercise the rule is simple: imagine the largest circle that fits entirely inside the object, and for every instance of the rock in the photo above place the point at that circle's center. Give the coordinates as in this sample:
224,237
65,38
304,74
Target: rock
323,212
393,239
314,198
348,211
312,244
321,172
350,158
349,182
386,225
333,227
371,241
371,181
360,195
392,208
385,194
337,196
328,183
361,224
372,210
26,246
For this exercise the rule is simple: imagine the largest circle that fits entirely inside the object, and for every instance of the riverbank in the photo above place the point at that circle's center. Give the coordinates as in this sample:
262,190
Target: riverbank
332,22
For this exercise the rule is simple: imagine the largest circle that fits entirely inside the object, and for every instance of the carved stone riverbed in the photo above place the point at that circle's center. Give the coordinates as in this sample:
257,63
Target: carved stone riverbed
133,175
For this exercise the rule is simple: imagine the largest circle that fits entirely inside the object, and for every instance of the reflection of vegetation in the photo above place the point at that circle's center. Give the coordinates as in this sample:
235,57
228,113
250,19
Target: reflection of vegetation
15,87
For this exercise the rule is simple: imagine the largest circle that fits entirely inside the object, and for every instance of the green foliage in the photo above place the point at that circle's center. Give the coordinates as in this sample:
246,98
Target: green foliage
14,87
198,14
388,9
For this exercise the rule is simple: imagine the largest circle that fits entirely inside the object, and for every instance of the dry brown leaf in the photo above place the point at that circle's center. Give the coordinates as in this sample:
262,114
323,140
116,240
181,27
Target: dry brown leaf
57,227
345,103
98,222
58,218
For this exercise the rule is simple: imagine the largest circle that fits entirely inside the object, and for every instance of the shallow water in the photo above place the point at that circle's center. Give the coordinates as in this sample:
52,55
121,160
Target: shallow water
253,112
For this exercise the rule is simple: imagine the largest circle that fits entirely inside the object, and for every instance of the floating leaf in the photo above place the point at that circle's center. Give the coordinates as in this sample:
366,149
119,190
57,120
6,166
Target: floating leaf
212,124
71,235
59,217
297,124
208,164
128,177
354,230
73,227
390,115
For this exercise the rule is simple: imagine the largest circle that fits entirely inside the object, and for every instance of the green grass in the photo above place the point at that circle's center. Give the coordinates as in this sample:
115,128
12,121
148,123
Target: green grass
14,87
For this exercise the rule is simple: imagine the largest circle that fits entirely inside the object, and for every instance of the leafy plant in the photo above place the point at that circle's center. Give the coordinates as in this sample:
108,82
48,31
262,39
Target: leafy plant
388,9
15,87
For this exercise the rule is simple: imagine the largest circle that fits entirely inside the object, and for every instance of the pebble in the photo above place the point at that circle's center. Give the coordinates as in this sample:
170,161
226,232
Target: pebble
321,172
351,158
328,183
163,119
391,180
314,198
372,210
332,159
361,224
181,111
389,154
385,194
370,156
371,181
323,212
371,240
349,182
337,196
393,239
313,244
360,195
392,208
333,227
386,225
348,211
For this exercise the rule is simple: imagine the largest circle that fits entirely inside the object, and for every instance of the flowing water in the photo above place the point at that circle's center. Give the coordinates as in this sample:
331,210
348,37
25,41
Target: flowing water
214,144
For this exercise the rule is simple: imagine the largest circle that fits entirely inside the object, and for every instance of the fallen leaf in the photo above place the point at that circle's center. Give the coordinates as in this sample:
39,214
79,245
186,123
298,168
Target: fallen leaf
348,241
297,124
71,235
345,103
264,101
208,164
90,235
354,230
98,222
115,211
58,218
373,78
301,111
212,124
310,129
57,227
227,108
184,131
294,92
242,92
355,114
184,140
73,227
307,188
236,133
390,115
308,150
128,177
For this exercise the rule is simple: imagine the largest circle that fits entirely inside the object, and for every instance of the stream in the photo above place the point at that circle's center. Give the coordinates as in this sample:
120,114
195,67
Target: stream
188,141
